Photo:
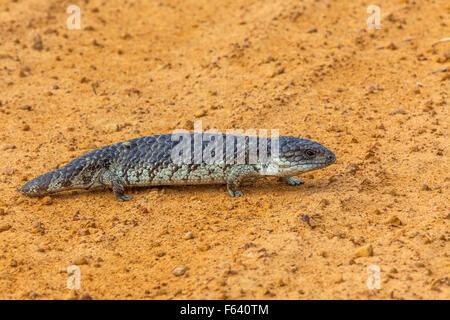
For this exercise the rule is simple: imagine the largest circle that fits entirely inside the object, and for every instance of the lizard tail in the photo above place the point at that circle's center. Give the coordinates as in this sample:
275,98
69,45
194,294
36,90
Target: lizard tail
47,183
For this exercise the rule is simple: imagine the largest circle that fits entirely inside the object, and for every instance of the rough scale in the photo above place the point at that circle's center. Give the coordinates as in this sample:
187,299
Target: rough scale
147,161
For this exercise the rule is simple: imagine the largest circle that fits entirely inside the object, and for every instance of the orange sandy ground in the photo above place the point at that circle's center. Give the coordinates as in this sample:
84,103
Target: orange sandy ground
308,68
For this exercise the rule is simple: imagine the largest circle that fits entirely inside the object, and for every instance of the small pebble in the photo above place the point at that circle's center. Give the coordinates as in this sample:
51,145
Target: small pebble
203,247
85,233
8,147
143,210
179,270
200,113
80,261
398,111
86,296
366,251
46,201
4,227
188,235
420,265
26,107
339,279
394,220
36,42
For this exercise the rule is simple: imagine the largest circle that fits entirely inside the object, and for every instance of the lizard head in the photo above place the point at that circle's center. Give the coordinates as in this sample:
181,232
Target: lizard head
298,155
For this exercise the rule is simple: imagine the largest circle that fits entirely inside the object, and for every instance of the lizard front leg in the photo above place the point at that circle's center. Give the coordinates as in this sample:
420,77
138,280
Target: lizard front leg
237,174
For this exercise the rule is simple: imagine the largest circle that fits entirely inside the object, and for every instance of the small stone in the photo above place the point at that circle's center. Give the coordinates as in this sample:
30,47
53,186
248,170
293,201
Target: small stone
8,147
200,114
86,296
393,270
322,254
312,30
46,201
5,227
203,247
26,127
36,42
425,188
179,270
398,111
366,251
281,283
2,212
394,220
80,261
38,227
13,263
339,279
26,107
112,127
143,210
420,265
392,46
188,236
380,127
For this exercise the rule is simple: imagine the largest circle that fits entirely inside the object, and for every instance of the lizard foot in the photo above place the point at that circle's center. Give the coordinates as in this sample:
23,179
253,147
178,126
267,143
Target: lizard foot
123,198
235,194
293,182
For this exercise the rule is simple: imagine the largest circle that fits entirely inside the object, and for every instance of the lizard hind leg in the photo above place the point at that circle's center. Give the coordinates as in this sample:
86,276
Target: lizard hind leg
111,179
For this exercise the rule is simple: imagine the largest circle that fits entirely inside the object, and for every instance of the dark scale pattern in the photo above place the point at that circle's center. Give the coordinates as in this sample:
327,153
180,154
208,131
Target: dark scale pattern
149,161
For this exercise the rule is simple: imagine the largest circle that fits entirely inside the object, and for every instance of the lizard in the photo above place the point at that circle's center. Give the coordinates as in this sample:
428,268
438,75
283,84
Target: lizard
150,161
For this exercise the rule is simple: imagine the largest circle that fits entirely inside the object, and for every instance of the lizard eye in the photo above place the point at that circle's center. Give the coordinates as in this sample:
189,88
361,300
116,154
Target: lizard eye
310,153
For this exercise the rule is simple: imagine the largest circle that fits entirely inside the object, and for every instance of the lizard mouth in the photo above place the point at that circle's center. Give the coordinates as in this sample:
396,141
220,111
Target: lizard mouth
305,164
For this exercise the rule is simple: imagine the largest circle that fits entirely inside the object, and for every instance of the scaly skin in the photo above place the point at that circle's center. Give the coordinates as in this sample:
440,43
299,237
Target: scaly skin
147,161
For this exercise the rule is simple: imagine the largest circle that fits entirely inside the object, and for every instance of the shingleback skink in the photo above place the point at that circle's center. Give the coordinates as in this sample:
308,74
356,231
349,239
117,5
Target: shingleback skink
149,161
